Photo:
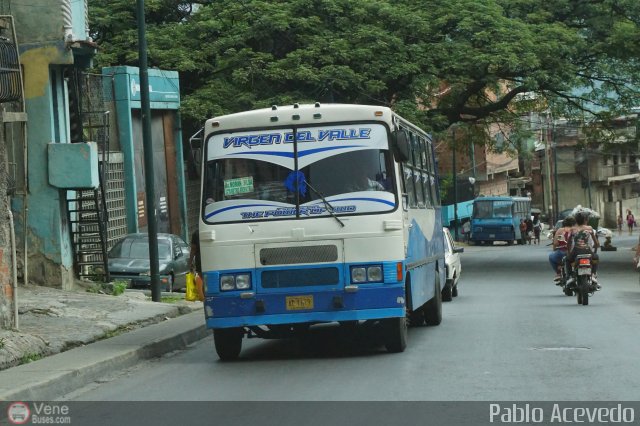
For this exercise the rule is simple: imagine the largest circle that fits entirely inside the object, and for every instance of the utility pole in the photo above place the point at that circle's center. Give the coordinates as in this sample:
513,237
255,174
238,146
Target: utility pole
455,186
556,204
547,155
586,153
147,143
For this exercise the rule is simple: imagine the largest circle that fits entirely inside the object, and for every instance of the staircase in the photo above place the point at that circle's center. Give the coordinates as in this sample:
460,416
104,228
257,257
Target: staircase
88,219
87,207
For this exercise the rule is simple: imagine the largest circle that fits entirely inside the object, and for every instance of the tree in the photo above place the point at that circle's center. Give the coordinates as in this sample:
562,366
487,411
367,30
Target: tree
436,62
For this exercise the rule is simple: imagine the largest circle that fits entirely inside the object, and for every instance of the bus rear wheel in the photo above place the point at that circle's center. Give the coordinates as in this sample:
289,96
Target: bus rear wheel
447,291
433,308
395,334
228,343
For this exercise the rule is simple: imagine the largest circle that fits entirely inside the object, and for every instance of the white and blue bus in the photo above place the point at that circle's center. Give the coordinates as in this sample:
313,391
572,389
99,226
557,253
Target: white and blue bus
314,214
498,219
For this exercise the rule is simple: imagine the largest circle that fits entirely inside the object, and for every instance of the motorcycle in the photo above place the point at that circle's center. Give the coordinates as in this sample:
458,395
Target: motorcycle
577,279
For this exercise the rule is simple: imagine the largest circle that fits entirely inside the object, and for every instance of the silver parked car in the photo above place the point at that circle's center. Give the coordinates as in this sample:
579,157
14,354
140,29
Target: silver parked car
453,267
129,260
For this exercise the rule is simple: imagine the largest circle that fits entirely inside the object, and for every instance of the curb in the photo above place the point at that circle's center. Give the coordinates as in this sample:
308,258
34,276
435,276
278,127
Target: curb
51,377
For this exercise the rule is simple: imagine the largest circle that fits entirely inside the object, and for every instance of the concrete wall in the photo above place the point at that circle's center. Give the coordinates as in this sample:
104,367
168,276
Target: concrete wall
6,293
496,186
44,53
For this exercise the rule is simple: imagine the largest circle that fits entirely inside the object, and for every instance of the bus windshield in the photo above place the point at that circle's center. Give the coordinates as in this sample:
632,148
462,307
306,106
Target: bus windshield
492,209
257,186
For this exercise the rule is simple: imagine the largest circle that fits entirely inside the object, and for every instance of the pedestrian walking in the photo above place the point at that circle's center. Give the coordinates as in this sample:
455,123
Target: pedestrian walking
523,232
537,228
631,221
620,221
636,257
195,262
466,231
529,224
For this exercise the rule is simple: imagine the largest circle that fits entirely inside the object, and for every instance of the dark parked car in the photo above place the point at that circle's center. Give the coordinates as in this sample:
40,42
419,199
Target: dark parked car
129,260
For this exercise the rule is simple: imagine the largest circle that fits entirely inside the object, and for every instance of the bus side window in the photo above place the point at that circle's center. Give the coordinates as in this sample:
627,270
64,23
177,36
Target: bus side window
426,179
409,184
417,170
409,180
432,174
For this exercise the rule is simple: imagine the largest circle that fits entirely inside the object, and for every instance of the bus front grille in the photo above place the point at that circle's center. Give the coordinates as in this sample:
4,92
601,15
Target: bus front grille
300,277
298,254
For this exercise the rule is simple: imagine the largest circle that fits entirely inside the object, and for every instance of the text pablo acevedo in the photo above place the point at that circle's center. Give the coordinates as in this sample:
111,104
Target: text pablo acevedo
559,413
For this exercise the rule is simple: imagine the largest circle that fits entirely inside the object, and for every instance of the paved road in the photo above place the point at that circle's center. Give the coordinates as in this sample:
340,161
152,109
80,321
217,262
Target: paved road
510,335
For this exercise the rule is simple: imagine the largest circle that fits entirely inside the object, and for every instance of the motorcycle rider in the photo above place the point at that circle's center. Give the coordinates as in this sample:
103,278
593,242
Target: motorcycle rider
560,241
584,240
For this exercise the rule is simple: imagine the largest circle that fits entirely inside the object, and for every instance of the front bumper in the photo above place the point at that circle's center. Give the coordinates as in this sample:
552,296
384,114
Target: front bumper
328,306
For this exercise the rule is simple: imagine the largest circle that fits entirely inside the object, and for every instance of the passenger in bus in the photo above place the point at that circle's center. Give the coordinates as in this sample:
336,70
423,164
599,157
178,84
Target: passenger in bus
362,182
269,186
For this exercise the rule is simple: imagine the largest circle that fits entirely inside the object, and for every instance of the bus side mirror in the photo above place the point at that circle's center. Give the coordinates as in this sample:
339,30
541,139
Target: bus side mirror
400,145
196,145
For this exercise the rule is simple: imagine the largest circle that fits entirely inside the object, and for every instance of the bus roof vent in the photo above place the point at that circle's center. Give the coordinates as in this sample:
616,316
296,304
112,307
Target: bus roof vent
274,107
317,104
296,105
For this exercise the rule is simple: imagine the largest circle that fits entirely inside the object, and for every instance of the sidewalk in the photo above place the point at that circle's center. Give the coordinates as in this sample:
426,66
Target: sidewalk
50,353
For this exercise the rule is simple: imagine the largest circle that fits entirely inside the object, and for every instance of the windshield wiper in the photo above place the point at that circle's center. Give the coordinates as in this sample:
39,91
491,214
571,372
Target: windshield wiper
326,203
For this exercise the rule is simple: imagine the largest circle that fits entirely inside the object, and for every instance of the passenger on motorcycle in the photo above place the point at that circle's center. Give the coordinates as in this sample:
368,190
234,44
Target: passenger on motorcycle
560,241
584,241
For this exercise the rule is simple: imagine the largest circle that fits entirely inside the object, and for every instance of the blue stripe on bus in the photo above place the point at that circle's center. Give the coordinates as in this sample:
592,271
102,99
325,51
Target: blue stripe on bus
426,254
272,153
300,153
376,200
240,206
212,278
328,148
378,299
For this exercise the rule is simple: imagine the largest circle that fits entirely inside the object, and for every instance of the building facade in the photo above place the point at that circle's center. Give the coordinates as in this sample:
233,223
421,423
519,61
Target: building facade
598,170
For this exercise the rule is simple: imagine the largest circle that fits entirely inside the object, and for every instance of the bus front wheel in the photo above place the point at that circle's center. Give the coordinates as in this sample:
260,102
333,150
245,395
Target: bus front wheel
228,342
395,334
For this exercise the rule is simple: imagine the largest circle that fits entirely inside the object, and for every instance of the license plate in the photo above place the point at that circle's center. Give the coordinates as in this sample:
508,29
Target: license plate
297,303
584,271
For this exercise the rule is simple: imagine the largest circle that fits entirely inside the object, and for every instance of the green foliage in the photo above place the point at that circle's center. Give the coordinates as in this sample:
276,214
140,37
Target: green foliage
119,287
171,299
446,185
2,342
31,357
114,288
436,62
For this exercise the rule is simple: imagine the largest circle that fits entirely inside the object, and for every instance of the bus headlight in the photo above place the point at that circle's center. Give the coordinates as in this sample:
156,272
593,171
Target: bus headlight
374,273
358,274
366,273
229,282
243,282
